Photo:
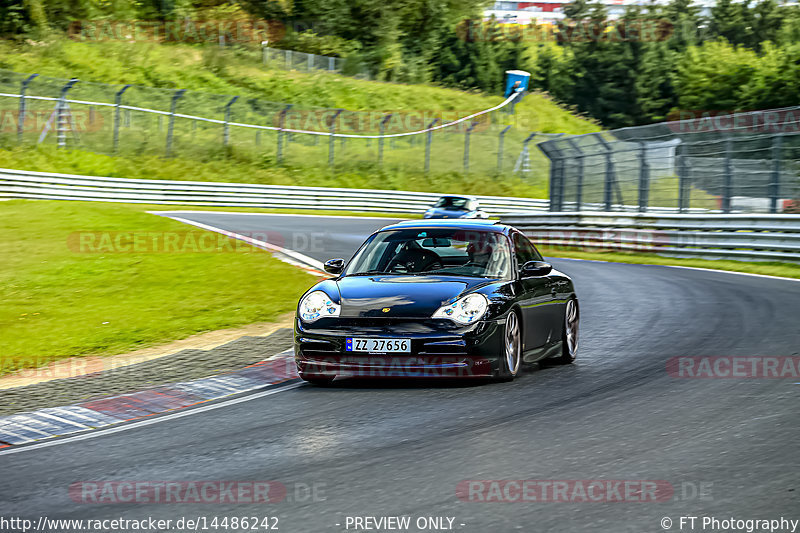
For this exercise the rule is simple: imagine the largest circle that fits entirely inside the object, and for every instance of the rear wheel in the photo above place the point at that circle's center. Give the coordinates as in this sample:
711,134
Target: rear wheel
569,338
512,348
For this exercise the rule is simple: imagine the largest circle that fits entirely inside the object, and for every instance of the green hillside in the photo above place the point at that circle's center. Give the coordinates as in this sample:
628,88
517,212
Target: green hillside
213,75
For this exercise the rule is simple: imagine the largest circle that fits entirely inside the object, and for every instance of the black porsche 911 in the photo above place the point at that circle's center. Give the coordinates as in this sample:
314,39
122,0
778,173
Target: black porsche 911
449,298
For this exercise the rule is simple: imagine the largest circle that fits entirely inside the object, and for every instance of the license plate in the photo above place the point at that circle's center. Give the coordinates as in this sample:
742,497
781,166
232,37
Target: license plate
378,345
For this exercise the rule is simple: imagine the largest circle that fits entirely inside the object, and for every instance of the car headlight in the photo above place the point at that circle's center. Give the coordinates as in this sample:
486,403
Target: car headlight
465,310
316,305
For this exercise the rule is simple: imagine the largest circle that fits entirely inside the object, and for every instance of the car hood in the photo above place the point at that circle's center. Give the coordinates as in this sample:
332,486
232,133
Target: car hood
403,296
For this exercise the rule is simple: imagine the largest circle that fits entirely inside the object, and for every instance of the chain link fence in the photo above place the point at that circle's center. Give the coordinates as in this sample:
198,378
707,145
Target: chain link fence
741,162
303,62
130,119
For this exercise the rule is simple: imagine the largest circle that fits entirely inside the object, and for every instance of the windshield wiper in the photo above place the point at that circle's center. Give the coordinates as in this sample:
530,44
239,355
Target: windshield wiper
369,272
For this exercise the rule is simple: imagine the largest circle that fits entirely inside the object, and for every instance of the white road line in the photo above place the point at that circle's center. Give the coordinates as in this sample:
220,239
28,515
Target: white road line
150,421
272,214
677,266
297,256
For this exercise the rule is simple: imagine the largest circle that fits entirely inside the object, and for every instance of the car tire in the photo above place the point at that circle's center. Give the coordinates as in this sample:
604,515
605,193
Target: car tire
511,360
569,336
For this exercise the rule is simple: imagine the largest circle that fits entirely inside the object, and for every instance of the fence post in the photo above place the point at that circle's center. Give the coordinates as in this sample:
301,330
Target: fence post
684,194
226,132
281,125
287,54
382,127
610,173
332,138
466,146
556,157
500,149
61,113
428,141
727,184
310,63
331,64
171,127
21,121
579,184
644,178
524,156
117,104
775,186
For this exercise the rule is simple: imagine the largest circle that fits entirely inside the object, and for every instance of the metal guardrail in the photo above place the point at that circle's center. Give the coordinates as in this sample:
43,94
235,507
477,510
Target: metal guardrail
48,186
716,236
720,236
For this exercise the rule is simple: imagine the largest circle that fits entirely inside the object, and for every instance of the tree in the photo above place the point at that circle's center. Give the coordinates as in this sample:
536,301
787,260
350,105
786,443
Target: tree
655,86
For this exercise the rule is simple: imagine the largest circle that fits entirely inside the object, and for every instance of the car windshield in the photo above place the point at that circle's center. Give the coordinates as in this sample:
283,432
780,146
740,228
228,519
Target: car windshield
454,202
437,251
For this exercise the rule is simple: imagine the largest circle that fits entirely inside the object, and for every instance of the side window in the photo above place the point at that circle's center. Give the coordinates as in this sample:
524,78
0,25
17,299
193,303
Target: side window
524,250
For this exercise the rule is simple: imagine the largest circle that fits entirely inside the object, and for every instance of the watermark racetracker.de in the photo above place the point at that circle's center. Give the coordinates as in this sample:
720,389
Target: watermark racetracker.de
185,30
734,367
147,242
580,491
195,492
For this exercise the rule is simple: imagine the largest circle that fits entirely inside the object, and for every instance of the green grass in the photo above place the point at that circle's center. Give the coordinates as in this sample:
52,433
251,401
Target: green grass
48,159
767,268
58,302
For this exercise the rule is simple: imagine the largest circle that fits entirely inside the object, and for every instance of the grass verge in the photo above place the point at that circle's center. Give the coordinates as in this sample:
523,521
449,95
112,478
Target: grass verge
58,302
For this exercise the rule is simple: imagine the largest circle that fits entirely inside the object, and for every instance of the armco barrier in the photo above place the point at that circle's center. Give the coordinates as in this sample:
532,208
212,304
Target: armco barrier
48,186
716,236
731,236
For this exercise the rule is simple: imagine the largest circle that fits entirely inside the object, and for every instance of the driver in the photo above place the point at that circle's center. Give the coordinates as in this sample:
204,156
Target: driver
414,258
479,252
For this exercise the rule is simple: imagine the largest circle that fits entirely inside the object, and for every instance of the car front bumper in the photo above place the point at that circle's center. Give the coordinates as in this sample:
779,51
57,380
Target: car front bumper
439,349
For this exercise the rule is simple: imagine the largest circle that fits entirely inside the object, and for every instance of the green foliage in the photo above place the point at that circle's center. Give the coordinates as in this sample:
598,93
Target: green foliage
711,76
744,57
313,43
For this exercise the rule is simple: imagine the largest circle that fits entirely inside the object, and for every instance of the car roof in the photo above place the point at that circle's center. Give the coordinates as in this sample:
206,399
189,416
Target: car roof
465,197
460,223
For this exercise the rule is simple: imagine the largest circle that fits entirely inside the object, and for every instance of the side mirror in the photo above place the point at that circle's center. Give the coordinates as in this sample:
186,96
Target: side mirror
334,266
534,269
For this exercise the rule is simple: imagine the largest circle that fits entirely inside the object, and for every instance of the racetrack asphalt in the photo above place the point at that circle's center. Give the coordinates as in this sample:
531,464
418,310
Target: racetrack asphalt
388,448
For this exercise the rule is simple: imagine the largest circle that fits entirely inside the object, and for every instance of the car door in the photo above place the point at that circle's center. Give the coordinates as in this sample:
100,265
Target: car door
535,297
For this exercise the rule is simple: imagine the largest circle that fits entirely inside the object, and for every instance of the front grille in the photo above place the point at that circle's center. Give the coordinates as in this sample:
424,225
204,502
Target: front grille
411,325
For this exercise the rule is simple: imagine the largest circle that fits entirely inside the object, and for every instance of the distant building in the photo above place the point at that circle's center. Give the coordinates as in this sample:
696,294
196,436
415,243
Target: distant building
549,11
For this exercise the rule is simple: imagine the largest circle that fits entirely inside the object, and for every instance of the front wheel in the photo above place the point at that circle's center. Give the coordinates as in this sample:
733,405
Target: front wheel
512,348
569,338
